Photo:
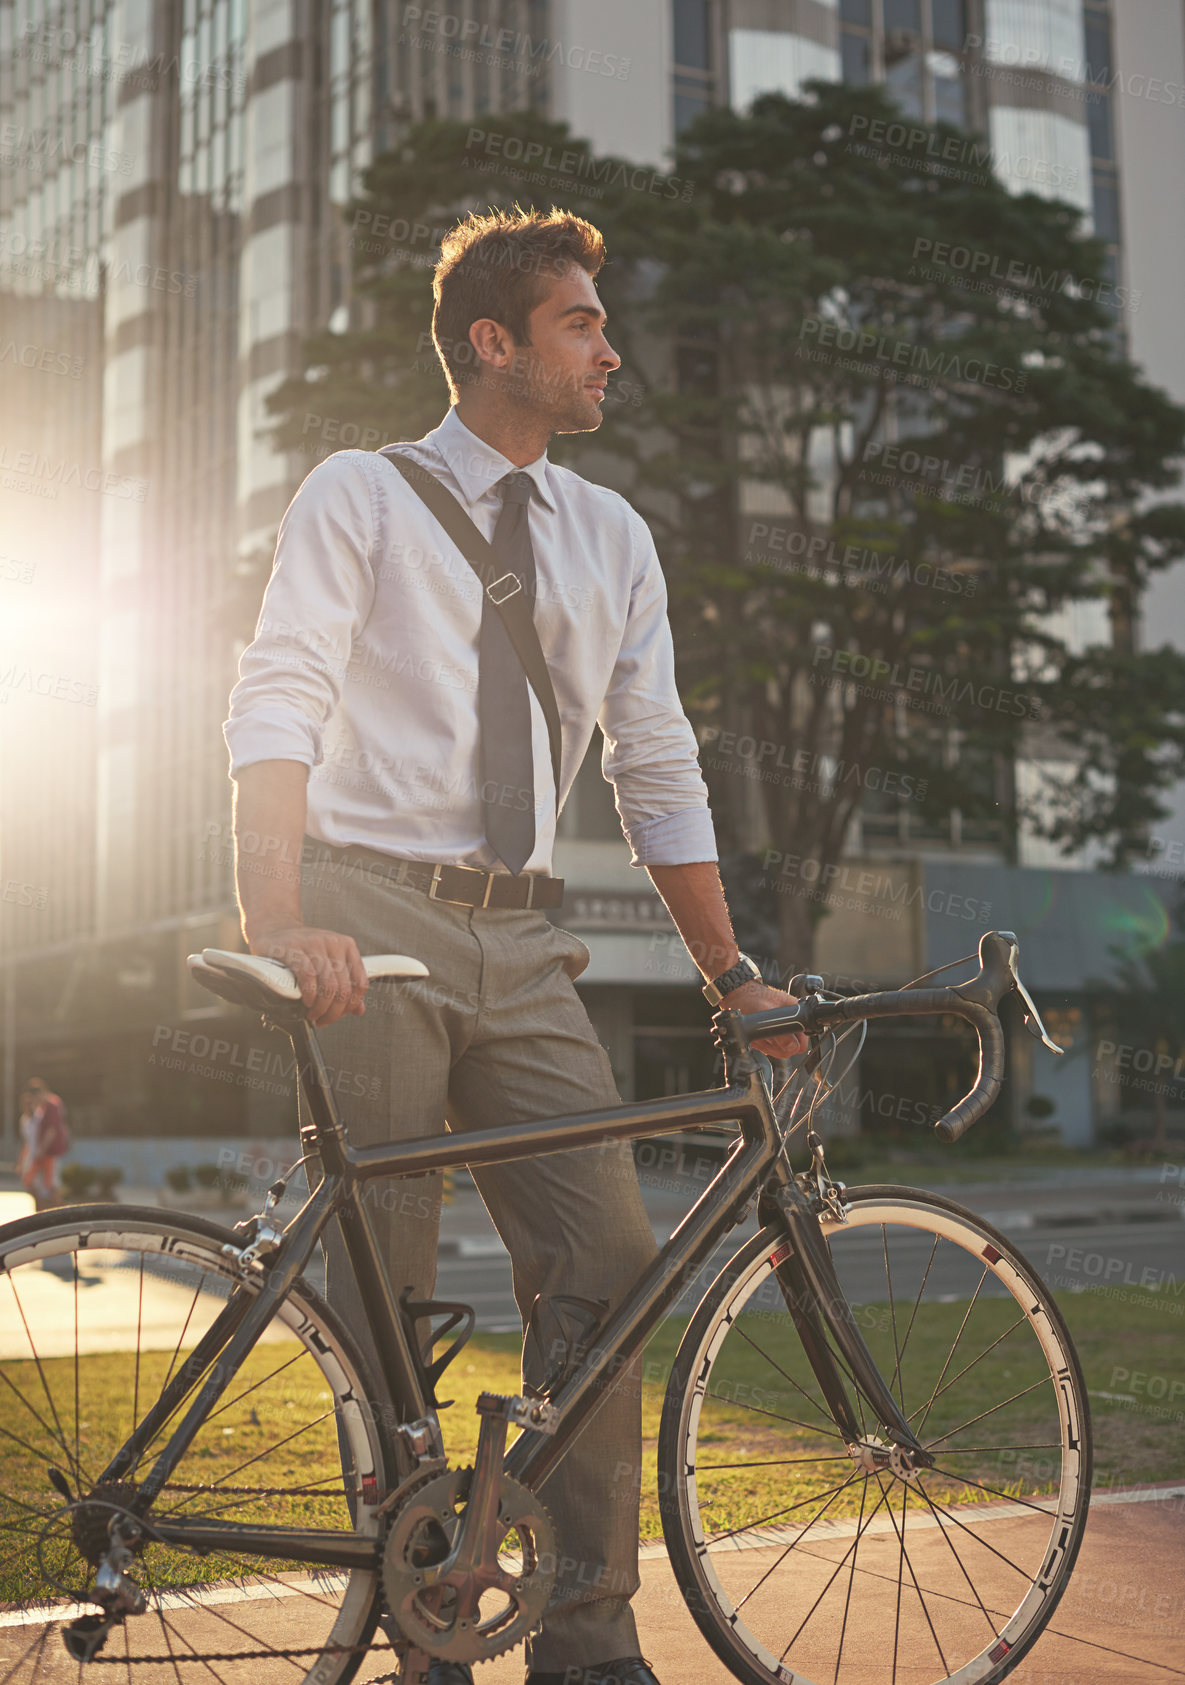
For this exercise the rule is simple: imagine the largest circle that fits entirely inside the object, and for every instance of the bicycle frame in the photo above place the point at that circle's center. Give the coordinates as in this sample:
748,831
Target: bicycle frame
756,1164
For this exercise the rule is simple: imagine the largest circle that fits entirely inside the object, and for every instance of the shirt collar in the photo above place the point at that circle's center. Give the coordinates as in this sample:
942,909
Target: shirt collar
477,467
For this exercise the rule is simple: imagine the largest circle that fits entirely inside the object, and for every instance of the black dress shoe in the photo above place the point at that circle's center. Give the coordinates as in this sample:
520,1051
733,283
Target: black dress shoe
628,1670
449,1673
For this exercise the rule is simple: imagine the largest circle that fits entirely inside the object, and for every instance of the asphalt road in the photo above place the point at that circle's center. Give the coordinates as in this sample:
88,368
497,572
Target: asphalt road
1067,1257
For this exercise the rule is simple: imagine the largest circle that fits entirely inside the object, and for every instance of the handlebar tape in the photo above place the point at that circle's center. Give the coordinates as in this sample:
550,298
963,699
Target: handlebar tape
976,1001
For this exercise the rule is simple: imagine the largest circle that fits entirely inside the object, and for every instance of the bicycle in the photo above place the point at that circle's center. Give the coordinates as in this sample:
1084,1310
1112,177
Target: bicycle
874,1455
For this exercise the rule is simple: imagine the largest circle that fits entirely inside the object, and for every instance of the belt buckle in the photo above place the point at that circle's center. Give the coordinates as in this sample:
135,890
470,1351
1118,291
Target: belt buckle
516,585
435,884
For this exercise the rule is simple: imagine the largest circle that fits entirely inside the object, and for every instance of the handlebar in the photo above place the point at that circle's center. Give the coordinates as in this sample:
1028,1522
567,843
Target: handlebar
977,1001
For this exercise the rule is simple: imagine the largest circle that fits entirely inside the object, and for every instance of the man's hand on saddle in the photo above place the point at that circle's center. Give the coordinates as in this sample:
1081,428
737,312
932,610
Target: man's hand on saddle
327,966
760,997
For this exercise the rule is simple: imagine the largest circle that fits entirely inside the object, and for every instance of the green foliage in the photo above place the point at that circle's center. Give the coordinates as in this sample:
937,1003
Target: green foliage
790,314
804,274
81,1182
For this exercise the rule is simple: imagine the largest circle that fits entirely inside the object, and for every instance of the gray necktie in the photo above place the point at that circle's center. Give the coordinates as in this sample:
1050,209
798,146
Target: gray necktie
503,705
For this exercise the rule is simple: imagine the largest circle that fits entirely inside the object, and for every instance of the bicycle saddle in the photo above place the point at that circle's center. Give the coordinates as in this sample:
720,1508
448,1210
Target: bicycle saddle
252,980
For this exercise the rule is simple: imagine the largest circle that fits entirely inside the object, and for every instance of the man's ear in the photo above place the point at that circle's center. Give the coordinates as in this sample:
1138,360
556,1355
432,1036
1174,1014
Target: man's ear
492,343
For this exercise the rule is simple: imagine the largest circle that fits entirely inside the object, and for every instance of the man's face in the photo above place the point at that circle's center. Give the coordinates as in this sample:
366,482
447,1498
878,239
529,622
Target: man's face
561,374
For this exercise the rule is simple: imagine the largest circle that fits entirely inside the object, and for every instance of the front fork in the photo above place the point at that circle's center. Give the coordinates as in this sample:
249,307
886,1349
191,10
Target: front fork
818,1306
809,1285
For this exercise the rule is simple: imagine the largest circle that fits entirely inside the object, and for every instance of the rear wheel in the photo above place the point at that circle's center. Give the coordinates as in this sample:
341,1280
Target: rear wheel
99,1307
803,1558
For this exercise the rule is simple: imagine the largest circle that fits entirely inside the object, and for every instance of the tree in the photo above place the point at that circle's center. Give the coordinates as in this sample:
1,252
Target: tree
905,438
889,435
1148,1012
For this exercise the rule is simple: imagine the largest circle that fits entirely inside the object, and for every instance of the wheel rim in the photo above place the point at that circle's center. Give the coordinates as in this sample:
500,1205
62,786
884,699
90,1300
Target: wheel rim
819,1570
93,1320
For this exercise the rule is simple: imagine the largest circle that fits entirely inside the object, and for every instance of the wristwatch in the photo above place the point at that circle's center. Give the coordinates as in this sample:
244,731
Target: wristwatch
744,971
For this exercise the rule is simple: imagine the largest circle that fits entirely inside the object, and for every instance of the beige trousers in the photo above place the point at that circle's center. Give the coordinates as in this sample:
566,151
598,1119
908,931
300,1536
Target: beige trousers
495,1035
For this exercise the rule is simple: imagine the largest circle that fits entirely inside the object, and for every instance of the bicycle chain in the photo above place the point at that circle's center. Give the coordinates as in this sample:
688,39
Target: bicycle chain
241,1655
257,1491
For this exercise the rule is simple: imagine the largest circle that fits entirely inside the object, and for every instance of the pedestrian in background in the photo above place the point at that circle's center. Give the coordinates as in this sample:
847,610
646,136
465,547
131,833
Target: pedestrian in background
45,1141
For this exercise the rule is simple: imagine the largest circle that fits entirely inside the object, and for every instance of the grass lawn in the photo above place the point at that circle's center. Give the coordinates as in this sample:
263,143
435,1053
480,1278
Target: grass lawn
1133,1443
272,1440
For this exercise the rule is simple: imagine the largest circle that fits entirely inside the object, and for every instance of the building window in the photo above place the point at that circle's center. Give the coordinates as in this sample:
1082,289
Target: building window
903,15
856,56
1099,75
949,23
693,34
919,48
694,89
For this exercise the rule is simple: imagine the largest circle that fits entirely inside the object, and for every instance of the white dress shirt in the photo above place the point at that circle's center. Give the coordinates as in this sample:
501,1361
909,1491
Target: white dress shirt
364,662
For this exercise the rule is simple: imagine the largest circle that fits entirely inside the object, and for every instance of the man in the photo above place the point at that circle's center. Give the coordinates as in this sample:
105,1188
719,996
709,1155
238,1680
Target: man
382,713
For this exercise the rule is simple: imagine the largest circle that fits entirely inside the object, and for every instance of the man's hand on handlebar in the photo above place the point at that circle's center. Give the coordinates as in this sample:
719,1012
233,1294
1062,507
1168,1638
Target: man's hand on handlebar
327,966
759,997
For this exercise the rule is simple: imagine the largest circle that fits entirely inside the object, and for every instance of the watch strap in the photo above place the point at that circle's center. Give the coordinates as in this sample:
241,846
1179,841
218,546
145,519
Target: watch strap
745,970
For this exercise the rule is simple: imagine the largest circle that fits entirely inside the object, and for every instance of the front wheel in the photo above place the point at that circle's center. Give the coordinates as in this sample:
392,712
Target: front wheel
803,1558
99,1307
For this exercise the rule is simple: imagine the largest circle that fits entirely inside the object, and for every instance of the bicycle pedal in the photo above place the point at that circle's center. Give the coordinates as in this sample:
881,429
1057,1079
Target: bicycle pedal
538,1414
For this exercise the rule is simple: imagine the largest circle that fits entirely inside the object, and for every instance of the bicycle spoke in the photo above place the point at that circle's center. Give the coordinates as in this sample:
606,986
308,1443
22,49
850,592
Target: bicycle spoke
950,1546
965,1480
838,1569
246,1393
974,1361
851,1577
947,1511
139,1335
913,1318
1045,1381
77,1444
969,1450
912,1575
756,1410
893,1320
176,1353
826,1414
769,1462
202,1603
951,1353
268,1451
719,1538
795,1544
61,1436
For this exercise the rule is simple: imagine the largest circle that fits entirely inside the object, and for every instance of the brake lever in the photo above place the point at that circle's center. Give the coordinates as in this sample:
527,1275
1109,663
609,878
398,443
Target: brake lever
1033,1022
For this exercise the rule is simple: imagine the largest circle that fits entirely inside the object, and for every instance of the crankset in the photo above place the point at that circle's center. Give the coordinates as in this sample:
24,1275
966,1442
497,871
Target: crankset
469,1562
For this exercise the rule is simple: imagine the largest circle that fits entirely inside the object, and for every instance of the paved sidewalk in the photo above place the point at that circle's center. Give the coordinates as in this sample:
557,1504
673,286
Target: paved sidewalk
1121,1621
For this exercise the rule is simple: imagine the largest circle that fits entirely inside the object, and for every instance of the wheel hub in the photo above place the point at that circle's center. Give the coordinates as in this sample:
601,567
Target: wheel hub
91,1522
873,1455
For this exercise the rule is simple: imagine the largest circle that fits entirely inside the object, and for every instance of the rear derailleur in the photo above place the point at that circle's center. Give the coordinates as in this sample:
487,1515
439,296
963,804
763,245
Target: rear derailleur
117,1594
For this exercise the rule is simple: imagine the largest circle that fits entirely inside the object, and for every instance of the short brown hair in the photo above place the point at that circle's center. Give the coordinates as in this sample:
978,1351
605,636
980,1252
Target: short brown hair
501,266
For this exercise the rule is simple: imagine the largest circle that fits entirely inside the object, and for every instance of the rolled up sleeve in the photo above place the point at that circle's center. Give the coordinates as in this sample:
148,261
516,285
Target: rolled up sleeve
650,755
317,600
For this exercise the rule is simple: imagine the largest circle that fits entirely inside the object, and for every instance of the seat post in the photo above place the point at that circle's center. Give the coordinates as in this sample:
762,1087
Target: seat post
326,1136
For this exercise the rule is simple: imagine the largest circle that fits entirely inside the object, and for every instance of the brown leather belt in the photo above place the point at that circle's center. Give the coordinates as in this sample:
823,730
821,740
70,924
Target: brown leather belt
464,886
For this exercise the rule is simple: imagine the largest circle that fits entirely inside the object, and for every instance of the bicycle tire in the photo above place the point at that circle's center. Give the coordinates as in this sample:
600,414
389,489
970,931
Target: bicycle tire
71,1283
748,1611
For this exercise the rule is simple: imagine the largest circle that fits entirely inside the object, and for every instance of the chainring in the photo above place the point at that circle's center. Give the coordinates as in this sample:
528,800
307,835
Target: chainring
462,1618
